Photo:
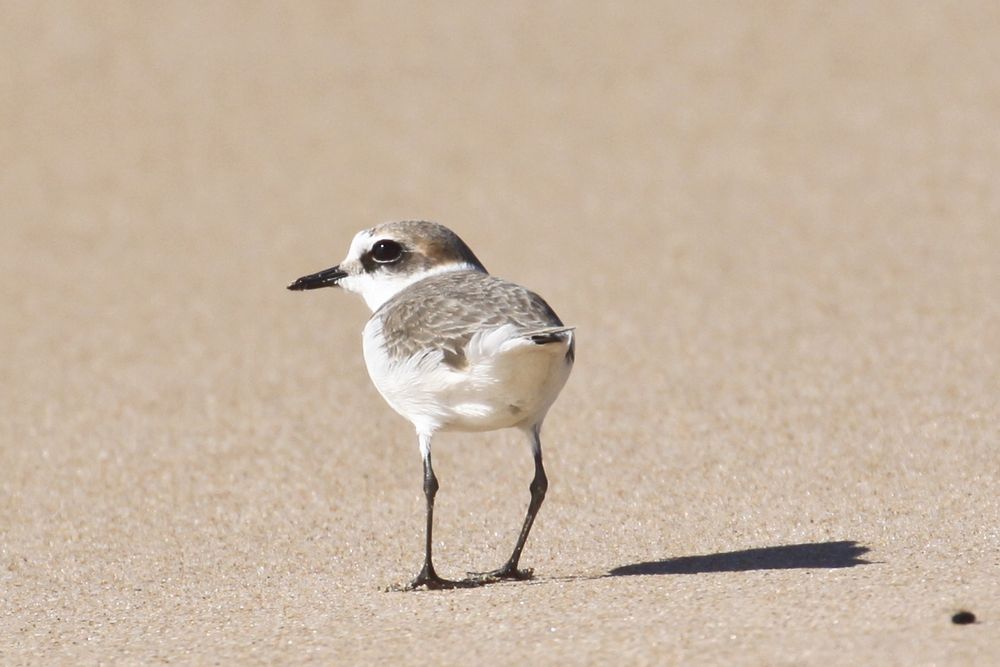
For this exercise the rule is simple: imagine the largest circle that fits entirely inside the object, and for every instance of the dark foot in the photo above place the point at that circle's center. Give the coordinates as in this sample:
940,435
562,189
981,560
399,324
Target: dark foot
507,572
432,582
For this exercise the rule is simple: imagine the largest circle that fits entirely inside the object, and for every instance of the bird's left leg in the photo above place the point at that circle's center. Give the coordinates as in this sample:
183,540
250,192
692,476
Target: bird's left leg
427,576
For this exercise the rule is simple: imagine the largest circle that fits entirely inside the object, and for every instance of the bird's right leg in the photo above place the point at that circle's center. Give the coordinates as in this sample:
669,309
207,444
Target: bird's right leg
539,485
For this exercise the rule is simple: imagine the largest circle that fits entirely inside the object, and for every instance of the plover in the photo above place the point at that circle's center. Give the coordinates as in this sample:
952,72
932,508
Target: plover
452,348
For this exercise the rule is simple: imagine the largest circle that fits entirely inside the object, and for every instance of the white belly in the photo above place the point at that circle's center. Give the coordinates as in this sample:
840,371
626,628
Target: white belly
507,381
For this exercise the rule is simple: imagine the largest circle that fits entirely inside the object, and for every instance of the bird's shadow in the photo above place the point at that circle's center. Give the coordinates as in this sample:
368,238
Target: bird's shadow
821,555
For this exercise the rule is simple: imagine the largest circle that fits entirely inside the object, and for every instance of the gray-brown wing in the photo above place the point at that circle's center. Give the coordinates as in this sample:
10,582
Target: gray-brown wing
444,312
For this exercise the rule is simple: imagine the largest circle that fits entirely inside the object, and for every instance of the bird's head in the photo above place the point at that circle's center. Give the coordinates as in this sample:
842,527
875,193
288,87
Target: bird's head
386,259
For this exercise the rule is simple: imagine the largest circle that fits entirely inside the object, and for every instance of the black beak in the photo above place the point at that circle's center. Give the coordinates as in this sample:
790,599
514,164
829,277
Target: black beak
326,278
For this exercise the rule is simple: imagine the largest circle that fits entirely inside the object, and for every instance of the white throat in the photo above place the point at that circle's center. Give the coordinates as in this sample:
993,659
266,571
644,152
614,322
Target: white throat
378,288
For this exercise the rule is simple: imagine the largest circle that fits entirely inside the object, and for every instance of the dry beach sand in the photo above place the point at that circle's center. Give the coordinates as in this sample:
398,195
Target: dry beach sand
775,225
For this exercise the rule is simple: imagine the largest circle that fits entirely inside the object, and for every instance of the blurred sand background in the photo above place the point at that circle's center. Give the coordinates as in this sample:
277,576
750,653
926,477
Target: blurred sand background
776,225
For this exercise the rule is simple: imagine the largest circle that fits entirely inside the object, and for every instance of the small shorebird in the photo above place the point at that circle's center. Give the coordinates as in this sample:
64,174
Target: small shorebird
451,348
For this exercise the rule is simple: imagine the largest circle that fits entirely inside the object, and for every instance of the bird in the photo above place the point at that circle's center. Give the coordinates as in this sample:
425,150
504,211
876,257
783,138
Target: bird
451,347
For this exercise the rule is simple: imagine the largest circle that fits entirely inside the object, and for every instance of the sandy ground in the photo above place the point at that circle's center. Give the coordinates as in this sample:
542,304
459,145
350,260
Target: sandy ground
777,228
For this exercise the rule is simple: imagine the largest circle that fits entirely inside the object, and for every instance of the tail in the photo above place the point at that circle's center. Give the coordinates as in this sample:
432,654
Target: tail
549,335
508,339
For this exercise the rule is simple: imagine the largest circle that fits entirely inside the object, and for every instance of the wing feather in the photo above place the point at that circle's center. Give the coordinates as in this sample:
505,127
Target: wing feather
444,312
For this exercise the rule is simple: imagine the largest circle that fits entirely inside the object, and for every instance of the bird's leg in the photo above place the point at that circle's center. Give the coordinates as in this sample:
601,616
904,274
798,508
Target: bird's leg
539,484
428,577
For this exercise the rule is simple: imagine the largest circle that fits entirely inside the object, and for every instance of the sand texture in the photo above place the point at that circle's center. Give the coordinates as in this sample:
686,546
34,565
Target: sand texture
776,226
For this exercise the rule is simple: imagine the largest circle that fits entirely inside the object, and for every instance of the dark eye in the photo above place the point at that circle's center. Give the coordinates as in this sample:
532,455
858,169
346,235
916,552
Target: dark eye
386,251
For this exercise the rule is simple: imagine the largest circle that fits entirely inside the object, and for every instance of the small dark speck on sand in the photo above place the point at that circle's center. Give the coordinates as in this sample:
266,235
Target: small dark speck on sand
963,618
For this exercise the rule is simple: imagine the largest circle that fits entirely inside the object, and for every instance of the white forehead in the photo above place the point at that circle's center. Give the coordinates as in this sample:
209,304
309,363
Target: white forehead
360,244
